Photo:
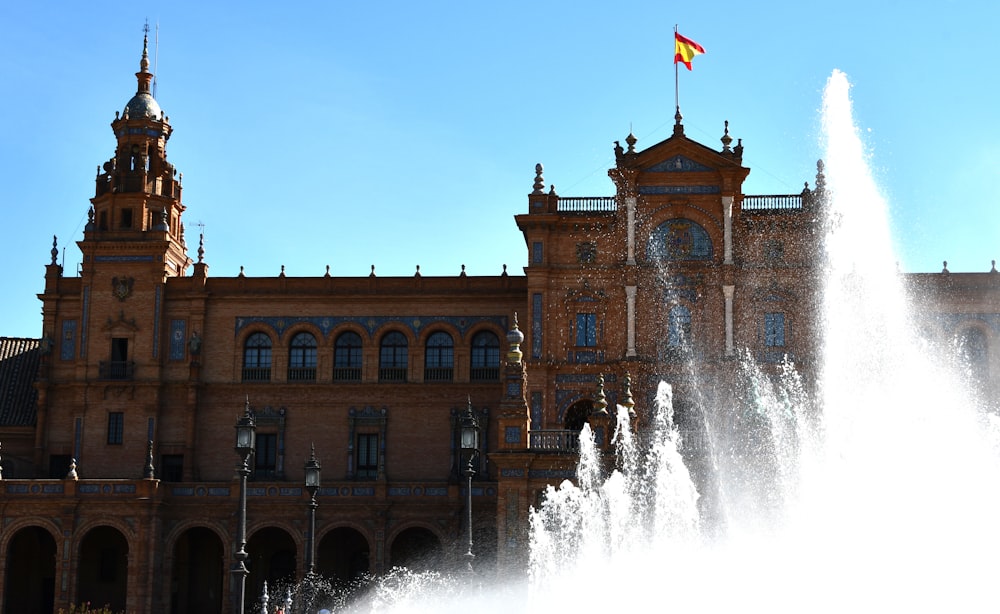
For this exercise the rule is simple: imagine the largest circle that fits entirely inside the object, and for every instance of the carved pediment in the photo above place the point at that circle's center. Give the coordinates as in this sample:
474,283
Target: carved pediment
121,324
679,164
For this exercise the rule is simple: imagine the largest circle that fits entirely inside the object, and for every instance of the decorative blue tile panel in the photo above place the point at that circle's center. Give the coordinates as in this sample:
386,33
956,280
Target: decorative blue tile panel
83,323
124,489
536,325
512,473
182,491
363,491
89,489
178,334
158,297
512,434
400,491
286,491
371,323
218,491
436,492
52,489
67,341
536,410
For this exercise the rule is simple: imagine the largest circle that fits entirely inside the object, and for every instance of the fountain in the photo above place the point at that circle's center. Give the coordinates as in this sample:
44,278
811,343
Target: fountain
878,491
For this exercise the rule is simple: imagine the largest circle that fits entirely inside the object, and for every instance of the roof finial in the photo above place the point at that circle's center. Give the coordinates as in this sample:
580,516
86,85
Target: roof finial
144,76
678,126
726,139
201,247
539,184
631,140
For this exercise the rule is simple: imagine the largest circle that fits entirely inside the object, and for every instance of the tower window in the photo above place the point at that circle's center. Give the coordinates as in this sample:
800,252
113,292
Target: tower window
126,219
257,358
392,358
302,358
439,358
347,358
774,329
116,428
265,455
679,327
586,330
367,456
485,357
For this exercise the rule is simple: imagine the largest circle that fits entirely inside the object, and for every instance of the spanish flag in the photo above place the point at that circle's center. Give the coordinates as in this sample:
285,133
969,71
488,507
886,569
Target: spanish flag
685,49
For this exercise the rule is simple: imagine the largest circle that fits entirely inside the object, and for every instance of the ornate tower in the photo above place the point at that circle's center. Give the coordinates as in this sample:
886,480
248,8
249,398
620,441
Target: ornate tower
136,215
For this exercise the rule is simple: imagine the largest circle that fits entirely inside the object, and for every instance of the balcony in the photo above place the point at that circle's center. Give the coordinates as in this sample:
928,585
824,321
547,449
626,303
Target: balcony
302,374
256,374
116,369
777,202
438,374
347,374
392,375
554,440
484,374
587,204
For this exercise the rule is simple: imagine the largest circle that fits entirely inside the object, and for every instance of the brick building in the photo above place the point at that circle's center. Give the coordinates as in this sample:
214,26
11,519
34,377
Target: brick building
117,425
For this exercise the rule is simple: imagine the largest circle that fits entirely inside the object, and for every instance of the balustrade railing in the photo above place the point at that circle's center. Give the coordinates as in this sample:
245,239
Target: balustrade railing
116,369
554,440
774,202
587,204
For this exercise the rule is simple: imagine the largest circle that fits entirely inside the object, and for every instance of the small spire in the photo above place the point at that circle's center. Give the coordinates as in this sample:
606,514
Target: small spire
630,140
504,274
282,274
539,185
417,274
628,402
462,274
327,271
678,126
144,77
55,250
993,269
945,269
726,139
72,470
241,271
600,401
201,248
820,177
372,274
515,338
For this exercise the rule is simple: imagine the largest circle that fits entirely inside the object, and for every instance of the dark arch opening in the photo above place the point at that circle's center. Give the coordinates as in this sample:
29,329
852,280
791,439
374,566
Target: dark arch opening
102,576
197,579
417,549
31,572
343,555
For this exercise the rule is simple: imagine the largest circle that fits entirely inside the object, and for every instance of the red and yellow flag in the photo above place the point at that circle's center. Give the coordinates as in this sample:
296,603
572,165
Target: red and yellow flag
685,49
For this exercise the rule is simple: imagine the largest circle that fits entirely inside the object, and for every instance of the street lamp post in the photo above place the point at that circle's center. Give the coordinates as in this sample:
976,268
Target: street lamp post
312,473
470,449
245,428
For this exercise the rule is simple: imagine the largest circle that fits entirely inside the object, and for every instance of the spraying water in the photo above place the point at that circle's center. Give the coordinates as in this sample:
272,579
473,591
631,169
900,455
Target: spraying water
878,491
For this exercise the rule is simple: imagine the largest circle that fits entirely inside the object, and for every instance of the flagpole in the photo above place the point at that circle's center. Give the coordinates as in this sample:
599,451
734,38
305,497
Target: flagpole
677,101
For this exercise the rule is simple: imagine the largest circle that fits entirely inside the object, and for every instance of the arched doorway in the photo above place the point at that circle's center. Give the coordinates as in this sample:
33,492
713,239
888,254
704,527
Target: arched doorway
102,569
343,555
576,415
272,558
417,549
197,578
31,572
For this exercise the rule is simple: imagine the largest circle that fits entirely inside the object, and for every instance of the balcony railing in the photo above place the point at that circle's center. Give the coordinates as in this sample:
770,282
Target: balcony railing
776,202
484,374
587,204
392,374
302,374
347,374
256,374
116,369
438,374
554,440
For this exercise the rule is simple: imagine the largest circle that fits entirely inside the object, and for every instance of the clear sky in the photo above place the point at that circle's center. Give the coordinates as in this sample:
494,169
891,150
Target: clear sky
406,133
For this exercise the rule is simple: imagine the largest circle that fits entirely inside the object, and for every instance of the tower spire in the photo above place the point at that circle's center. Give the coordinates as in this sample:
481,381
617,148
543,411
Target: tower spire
144,76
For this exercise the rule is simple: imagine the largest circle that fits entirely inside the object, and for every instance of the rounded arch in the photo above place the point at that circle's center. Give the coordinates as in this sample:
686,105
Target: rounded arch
679,239
102,568
439,326
343,553
256,351
348,354
197,577
417,547
30,555
286,337
272,558
576,411
353,327
439,356
484,355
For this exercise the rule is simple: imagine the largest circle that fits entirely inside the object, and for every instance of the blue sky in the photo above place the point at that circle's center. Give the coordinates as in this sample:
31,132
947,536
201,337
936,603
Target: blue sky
403,134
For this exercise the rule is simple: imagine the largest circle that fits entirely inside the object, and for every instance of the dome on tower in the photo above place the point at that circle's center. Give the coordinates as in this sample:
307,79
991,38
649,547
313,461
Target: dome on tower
143,105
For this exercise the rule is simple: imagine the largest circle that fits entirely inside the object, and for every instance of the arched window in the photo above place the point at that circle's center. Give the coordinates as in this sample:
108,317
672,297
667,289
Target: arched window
302,358
679,239
392,357
679,327
439,358
257,358
485,357
347,358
